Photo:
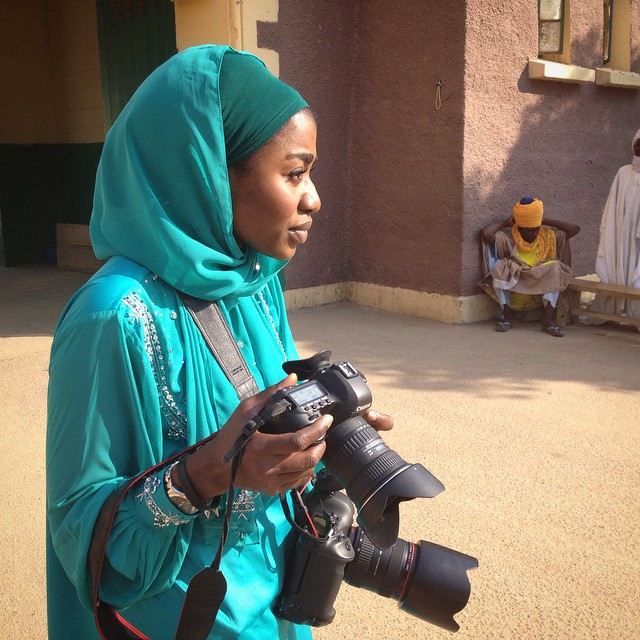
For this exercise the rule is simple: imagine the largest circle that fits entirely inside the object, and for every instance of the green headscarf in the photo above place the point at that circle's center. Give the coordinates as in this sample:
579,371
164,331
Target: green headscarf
162,196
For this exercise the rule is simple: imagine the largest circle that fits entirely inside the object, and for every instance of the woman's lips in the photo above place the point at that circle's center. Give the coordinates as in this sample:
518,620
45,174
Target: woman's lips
301,232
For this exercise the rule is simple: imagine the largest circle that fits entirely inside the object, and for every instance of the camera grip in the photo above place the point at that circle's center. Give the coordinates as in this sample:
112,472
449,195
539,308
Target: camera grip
313,580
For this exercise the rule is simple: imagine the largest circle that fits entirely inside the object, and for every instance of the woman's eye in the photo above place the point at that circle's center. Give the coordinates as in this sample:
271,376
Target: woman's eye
297,174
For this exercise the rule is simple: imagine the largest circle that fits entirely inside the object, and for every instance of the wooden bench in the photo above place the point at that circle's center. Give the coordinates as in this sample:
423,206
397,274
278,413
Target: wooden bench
569,302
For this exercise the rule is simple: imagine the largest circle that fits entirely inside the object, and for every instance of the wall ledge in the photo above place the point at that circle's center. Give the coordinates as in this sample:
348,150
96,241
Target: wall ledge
617,78
433,306
559,72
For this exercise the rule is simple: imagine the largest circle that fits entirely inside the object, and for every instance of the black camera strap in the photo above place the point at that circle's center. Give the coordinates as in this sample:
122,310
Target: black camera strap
206,589
216,333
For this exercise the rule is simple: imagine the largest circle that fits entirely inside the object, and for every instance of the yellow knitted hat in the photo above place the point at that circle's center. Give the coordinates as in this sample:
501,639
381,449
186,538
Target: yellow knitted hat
528,213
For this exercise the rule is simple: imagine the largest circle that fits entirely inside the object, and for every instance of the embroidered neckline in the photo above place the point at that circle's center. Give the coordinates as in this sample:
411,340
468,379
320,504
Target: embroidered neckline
265,307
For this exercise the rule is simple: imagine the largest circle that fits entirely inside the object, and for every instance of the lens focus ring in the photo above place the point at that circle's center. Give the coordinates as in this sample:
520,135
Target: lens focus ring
358,569
366,481
345,440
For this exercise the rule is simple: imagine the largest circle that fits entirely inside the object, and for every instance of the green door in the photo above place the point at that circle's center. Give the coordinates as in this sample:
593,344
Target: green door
135,37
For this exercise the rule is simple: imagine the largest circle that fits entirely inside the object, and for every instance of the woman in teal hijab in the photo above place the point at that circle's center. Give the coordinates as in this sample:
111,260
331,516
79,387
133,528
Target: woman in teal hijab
203,188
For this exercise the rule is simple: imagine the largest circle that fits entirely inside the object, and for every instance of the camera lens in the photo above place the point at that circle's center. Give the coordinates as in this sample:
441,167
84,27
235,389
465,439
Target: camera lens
428,580
383,572
375,477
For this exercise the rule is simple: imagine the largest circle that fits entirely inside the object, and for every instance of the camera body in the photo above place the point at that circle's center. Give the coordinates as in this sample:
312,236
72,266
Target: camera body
339,389
374,476
428,581
316,570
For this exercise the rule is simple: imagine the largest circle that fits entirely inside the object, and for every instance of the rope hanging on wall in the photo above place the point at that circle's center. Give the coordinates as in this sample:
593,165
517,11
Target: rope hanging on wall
439,84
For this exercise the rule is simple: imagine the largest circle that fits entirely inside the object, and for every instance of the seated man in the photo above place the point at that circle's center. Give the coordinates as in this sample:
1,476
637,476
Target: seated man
527,264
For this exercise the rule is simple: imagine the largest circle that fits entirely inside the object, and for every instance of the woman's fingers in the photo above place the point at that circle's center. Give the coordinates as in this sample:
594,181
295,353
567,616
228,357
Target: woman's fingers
273,461
299,440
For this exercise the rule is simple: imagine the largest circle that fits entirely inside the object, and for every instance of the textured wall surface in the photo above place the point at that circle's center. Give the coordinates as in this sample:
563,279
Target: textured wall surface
405,161
315,41
407,188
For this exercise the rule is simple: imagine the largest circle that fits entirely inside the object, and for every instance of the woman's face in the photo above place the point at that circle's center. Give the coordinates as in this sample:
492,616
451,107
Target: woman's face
274,197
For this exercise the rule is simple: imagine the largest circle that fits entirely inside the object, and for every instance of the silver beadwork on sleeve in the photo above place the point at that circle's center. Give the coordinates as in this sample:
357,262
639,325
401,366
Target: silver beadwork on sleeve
160,518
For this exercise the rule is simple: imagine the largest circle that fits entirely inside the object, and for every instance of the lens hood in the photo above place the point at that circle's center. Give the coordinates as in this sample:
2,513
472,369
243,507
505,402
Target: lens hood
379,515
440,585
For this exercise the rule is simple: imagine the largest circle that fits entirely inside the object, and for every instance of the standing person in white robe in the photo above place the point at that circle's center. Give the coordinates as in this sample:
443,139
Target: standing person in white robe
618,259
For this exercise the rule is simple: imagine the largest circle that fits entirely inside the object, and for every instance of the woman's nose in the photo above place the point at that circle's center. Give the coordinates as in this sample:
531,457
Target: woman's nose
310,201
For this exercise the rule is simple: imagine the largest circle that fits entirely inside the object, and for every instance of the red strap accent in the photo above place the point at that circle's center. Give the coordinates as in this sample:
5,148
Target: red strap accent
110,624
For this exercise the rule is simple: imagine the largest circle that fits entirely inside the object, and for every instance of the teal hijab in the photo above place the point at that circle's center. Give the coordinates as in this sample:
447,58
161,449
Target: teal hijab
162,196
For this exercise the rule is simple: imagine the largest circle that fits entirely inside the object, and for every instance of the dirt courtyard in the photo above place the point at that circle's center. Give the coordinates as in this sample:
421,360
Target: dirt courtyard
535,438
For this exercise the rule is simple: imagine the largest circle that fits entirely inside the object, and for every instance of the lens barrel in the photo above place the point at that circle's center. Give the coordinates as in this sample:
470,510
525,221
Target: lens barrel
375,477
384,572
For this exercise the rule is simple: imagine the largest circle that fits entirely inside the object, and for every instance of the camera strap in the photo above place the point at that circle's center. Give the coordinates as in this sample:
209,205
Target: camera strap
216,333
206,589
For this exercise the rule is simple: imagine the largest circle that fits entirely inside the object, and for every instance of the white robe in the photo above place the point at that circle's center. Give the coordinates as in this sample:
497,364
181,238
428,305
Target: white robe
618,259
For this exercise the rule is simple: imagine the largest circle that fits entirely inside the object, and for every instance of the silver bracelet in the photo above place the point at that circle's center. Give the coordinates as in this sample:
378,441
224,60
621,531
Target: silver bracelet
160,518
178,497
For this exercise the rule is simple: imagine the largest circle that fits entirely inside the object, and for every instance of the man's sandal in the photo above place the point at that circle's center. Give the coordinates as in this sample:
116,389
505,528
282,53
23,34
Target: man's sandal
503,325
554,330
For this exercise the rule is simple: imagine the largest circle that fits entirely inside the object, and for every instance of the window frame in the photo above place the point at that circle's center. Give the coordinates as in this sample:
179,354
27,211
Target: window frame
607,30
561,21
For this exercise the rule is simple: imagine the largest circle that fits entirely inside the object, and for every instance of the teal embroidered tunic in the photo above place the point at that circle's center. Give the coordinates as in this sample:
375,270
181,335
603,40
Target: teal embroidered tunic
132,381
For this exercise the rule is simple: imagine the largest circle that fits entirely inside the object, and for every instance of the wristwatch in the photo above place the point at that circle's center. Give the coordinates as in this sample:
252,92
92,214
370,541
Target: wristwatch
177,497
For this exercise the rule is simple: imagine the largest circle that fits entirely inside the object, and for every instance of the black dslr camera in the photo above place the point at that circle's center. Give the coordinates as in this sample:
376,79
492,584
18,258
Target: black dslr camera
375,477
428,581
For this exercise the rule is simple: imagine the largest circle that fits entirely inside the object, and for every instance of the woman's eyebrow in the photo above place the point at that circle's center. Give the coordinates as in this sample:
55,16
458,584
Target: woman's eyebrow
305,157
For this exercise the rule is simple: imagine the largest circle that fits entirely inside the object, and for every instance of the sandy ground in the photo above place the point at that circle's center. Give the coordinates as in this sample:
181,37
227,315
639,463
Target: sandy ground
535,439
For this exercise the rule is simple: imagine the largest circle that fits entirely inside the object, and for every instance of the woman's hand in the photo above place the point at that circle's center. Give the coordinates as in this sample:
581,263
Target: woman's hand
271,463
275,463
